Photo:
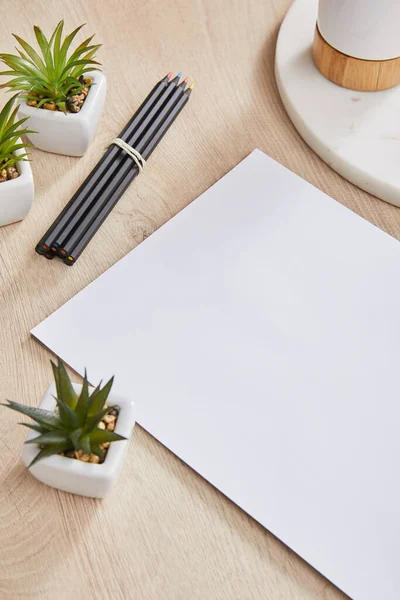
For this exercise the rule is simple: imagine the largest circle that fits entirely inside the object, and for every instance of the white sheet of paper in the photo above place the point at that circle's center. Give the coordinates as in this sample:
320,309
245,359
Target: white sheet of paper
259,333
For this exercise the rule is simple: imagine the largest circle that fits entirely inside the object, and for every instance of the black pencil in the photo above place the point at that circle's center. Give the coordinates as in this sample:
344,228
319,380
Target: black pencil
164,123
104,163
96,193
127,169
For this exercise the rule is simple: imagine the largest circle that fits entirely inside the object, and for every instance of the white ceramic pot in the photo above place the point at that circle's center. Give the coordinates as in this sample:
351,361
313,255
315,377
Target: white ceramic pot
367,29
77,477
16,195
69,134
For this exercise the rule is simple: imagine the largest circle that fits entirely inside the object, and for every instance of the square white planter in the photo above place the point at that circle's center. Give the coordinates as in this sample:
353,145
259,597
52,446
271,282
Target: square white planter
69,134
16,195
75,476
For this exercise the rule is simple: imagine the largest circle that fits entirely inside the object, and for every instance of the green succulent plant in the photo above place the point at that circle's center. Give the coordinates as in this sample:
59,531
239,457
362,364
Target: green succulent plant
10,134
74,425
53,75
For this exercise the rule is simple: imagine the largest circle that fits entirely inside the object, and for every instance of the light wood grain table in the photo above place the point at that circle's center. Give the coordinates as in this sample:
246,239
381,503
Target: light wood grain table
164,533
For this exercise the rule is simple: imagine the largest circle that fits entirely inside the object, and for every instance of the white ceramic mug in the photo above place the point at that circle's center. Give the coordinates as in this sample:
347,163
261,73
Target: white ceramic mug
367,29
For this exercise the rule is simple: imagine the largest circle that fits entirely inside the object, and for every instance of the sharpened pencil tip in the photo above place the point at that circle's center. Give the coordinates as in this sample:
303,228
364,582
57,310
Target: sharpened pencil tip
191,86
179,74
186,80
169,75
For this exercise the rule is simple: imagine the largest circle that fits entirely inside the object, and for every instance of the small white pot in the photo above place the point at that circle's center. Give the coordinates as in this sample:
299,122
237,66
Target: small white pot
16,195
69,134
75,476
366,29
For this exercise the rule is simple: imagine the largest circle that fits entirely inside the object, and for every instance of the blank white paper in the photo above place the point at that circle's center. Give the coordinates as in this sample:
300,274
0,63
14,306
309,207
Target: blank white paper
258,332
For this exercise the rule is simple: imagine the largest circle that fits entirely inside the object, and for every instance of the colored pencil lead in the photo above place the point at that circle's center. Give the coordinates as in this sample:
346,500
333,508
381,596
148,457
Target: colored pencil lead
186,80
191,86
169,75
179,74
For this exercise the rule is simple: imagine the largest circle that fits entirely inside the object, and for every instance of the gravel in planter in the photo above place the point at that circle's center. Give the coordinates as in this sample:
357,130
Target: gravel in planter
108,422
9,173
75,100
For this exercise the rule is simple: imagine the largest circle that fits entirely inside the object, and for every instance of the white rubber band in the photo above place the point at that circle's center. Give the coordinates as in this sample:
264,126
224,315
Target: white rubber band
134,154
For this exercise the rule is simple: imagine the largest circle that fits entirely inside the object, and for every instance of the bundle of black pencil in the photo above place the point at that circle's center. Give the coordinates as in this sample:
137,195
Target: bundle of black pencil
91,204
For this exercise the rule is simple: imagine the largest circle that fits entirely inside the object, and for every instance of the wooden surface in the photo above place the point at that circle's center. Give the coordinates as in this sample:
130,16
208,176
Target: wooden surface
354,73
164,533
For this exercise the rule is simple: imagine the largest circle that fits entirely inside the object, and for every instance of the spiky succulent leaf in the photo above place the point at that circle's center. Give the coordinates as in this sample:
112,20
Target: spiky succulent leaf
99,398
92,422
68,417
48,73
5,114
97,450
50,450
74,437
37,428
10,135
100,436
65,389
34,58
51,437
44,417
72,427
84,444
82,406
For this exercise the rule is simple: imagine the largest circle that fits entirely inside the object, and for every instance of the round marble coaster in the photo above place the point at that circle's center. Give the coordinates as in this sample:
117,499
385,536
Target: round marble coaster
356,133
